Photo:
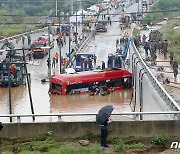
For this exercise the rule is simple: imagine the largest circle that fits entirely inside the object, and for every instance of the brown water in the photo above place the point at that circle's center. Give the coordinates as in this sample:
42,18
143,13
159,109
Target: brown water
45,104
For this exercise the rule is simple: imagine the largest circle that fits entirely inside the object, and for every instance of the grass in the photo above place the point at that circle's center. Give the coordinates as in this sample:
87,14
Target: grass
160,140
50,144
136,32
122,146
173,37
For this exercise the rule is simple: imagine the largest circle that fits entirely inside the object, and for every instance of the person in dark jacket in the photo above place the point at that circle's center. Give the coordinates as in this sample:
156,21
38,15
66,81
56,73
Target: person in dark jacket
104,132
146,48
103,65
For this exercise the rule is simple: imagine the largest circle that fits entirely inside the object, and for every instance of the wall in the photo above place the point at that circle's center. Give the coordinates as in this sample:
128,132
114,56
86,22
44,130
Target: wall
77,129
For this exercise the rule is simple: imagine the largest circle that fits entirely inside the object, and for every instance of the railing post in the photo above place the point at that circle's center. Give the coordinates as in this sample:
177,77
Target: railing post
18,119
59,118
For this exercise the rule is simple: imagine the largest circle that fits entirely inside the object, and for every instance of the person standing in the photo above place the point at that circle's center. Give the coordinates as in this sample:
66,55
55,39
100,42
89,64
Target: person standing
53,62
103,65
48,63
175,68
104,132
64,38
165,49
30,56
23,39
95,59
171,57
57,57
146,48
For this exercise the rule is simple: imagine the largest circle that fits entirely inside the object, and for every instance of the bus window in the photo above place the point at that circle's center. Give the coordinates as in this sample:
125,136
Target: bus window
115,83
56,87
78,86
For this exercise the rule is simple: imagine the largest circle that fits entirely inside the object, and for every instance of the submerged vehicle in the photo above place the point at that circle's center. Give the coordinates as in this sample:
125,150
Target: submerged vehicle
11,67
64,84
39,46
83,62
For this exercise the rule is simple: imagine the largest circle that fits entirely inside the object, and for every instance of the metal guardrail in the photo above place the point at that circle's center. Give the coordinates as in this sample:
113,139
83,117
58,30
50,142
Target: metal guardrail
163,93
60,115
72,56
32,32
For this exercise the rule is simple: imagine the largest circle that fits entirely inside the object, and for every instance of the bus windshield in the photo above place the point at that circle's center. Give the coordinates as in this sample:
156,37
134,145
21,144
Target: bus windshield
56,87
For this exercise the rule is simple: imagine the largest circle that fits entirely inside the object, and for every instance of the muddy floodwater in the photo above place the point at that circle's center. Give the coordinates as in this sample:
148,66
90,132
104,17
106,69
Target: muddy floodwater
43,103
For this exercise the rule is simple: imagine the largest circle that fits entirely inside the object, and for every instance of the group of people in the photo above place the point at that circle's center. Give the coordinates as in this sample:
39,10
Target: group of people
99,89
120,44
61,39
55,60
155,45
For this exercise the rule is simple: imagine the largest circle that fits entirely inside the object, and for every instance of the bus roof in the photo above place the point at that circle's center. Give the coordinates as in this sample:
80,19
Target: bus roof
90,76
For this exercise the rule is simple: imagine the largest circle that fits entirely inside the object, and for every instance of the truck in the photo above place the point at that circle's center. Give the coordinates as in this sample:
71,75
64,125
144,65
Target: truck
15,74
66,29
39,46
83,62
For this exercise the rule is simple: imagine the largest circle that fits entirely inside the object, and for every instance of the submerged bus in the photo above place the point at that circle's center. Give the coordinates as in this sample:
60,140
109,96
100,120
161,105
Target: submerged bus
64,84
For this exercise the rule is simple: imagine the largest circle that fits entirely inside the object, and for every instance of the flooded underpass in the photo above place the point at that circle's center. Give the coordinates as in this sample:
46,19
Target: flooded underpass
43,103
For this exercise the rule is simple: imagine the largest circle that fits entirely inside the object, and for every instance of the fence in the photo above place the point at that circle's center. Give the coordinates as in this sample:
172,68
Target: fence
63,117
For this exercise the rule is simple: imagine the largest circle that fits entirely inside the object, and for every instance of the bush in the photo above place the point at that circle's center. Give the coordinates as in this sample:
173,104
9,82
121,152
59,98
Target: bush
161,140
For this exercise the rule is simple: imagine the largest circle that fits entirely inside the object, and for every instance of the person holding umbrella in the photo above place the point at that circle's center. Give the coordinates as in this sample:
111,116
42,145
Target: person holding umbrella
103,118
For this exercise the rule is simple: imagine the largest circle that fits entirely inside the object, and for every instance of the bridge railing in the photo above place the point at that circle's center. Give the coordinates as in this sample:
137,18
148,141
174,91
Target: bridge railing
142,87
126,116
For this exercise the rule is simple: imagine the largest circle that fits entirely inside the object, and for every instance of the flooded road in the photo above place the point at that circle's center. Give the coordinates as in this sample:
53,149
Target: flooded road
43,103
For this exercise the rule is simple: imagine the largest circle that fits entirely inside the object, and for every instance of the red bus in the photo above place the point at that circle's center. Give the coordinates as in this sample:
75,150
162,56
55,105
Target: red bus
63,84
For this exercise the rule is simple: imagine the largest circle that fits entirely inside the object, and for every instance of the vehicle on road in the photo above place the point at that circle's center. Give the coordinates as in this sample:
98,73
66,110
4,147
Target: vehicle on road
65,28
40,46
114,79
86,26
101,26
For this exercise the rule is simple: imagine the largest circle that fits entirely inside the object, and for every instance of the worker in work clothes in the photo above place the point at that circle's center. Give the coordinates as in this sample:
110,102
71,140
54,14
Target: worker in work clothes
175,68
165,49
57,57
171,57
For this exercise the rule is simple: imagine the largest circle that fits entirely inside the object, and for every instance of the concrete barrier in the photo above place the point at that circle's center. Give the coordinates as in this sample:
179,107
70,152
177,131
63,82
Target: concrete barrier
78,129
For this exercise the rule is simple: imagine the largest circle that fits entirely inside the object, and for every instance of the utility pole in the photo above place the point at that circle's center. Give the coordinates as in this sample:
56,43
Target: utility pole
76,26
56,8
138,12
49,51
28,83
9,88
59,44
82,20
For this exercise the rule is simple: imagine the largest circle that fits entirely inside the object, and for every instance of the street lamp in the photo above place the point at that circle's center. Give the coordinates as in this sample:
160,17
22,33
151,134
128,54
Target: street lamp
59,44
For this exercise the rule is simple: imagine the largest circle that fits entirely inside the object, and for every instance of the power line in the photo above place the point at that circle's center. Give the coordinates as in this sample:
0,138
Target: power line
123,13
36,23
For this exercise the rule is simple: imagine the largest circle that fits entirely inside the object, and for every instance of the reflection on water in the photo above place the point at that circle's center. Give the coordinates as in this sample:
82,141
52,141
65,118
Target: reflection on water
45,104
